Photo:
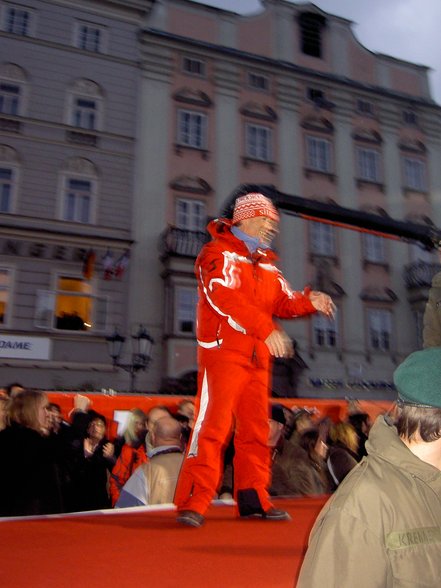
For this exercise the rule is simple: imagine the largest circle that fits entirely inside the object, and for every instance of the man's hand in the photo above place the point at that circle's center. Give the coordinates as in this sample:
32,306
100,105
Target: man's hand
279,344
323,303
81,403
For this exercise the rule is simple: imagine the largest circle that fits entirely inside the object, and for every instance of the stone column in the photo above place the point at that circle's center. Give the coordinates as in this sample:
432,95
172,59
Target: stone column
228,130
145,304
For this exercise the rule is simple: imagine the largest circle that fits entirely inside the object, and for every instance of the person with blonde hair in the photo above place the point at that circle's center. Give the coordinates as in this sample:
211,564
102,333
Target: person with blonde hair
342,454
130,452
30,484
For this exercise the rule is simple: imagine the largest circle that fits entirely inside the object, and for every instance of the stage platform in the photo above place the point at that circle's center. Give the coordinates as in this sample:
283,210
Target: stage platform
145,547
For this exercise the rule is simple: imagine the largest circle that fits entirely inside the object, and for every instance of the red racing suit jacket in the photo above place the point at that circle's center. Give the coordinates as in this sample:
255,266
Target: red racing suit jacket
240,293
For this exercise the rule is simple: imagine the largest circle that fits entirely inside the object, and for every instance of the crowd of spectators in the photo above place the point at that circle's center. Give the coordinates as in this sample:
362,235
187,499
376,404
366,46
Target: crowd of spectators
54,465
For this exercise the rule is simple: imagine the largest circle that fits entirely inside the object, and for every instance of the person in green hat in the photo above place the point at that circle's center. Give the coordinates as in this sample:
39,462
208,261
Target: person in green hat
382,527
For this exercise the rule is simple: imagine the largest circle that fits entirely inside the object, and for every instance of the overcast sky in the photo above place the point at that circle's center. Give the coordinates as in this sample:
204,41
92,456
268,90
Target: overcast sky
407,29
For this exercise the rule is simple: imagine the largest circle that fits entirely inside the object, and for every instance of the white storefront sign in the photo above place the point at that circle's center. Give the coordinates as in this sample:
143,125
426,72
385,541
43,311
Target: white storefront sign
24,347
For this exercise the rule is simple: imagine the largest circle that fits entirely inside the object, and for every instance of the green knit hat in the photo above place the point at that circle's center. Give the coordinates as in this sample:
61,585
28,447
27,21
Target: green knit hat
418,378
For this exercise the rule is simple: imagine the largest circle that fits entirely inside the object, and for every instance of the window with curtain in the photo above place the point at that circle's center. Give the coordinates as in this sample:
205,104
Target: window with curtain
323,241
78,200
374,249
258,142
318,154
368,164
414,174
192,129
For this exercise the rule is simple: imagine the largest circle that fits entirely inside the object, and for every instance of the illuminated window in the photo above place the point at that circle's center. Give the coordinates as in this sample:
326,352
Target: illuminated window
73,306
5,292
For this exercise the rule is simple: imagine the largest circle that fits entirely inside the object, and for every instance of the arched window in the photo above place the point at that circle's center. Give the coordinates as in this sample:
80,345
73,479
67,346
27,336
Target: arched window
79,181
13,81
85,105
9,169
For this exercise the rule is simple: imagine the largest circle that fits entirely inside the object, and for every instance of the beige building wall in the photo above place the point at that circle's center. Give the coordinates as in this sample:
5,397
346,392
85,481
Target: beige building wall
361,105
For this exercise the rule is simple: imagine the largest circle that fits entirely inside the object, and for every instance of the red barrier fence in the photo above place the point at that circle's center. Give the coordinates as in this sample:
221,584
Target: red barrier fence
113,407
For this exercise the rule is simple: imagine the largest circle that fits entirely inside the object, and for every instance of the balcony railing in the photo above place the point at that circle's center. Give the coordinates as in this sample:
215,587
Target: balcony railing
420,273
82,138
182,242
9,125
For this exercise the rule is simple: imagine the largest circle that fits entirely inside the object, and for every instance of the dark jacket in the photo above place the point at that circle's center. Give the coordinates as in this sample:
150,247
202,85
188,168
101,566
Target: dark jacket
30,477
88,475
293,472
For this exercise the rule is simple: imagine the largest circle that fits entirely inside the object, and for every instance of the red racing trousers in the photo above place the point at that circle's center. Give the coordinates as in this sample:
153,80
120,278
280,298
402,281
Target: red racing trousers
232,395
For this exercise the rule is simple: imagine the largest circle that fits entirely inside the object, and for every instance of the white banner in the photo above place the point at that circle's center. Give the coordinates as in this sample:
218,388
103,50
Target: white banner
25,347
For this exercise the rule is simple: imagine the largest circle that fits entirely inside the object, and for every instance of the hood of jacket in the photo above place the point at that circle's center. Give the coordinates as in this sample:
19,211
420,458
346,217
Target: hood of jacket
384,443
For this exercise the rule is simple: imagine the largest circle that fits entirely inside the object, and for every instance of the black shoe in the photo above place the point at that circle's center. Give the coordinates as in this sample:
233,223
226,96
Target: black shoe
272,514
250,508
275,514
190,518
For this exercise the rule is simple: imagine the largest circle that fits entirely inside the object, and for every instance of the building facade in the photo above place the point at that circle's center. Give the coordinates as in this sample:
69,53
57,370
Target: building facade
126,125
68,114
288,97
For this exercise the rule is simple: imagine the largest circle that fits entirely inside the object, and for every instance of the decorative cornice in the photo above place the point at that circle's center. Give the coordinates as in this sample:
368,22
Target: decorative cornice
367,136
317,123
194,97
259,111
412,146
378,294
191,184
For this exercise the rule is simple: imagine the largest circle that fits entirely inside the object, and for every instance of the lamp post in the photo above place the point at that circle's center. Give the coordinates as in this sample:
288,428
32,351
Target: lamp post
142,343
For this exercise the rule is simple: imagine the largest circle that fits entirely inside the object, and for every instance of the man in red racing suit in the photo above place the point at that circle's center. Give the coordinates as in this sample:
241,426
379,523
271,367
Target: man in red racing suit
240,291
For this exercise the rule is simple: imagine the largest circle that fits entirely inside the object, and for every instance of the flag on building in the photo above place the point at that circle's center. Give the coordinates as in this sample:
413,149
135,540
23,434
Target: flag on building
108,265
122,264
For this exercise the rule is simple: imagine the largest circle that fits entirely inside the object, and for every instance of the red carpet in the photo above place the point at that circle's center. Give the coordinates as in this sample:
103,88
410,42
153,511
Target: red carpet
149,549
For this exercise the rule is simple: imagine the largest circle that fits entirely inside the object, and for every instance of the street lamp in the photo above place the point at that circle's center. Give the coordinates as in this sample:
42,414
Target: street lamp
142,344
